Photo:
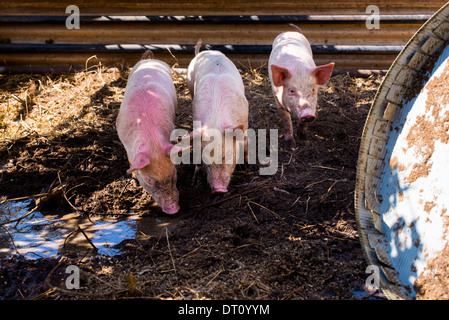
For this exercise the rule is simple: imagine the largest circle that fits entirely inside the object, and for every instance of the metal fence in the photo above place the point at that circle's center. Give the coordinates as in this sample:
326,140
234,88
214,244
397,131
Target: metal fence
34,35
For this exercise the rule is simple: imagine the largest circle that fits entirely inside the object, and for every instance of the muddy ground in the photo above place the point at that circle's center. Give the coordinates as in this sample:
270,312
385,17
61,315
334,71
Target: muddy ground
292,235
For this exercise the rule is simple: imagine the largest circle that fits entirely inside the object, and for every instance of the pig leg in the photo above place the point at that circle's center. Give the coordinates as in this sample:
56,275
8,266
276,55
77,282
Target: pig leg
286,121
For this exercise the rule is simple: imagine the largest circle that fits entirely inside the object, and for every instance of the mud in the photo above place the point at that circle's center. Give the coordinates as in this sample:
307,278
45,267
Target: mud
292,235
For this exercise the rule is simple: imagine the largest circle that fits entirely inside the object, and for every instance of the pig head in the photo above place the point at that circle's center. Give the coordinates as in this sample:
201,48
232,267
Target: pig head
144,124
295,80
220,152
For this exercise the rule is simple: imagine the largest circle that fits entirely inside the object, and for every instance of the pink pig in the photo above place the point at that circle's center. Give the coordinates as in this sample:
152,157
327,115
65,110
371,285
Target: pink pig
295,80
144,124
219,103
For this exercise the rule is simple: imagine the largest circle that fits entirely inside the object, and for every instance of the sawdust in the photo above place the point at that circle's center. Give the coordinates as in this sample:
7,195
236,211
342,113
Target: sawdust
394,162
428,206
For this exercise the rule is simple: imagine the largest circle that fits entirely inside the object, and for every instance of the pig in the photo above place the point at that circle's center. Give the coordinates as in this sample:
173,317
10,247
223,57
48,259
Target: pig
219,102
295,80
144,124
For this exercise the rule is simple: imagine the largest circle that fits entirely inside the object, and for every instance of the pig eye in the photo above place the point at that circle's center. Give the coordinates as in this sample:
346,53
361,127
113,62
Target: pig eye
291,92
313,90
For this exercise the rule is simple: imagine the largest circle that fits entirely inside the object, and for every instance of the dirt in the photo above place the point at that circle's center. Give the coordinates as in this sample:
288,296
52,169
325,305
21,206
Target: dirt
432,282
292,235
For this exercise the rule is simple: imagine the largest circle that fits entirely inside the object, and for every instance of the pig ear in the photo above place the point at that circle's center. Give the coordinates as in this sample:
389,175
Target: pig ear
322,74
141,160
279,75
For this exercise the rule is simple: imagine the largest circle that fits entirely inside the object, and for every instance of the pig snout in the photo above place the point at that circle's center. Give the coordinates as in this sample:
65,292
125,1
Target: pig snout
308,118
171,208
307,115
219,178
169,205
219,189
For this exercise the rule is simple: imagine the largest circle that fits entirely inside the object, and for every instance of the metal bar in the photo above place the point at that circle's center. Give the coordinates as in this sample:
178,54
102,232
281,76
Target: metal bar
233,19
375,61
214,34
41,69
136,48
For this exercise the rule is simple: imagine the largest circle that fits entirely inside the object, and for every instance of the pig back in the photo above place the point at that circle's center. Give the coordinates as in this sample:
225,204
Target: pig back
290,49
148,73
211,63
148,108
219,94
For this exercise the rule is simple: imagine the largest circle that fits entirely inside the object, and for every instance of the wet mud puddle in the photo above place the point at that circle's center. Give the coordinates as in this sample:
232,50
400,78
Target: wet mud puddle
49,235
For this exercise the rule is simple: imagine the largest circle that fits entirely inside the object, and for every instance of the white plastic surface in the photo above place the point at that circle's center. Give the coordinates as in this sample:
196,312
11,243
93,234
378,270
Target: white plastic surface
413,213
